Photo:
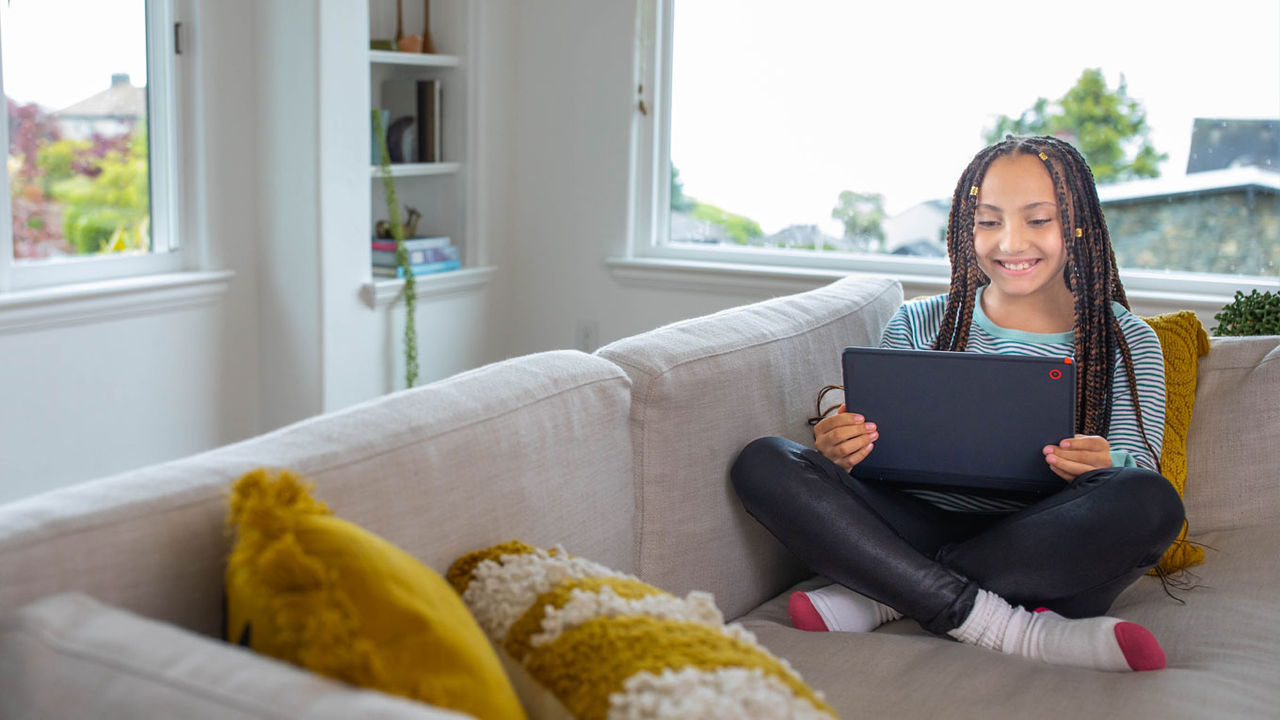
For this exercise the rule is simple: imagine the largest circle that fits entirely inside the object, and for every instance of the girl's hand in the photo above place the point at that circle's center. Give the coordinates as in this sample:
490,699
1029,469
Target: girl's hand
844,438
1078,455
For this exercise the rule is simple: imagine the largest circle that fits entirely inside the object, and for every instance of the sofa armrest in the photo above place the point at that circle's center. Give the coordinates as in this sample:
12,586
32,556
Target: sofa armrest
1233,444
69,656
701,390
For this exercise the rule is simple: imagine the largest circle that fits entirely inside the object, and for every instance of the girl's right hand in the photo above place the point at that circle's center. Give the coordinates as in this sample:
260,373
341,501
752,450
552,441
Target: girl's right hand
844,438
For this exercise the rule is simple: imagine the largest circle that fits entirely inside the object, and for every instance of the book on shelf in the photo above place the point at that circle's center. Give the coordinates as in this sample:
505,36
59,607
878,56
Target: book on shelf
429,94
413,243
414,107
387,258
419,269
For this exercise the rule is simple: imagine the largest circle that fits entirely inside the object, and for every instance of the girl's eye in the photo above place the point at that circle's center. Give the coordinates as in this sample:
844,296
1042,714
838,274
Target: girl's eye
988,223
1040,221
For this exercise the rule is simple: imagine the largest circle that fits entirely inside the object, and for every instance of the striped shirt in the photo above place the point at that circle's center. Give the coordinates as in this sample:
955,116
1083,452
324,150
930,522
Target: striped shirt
915,326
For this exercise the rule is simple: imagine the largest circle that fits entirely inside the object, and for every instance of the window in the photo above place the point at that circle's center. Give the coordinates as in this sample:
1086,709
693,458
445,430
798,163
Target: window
827,132
91,131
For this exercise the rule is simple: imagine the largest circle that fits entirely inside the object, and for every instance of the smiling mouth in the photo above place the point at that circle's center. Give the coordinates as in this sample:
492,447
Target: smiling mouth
1017,266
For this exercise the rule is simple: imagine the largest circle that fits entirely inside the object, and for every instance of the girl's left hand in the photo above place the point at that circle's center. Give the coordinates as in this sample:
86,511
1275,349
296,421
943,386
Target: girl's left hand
1078,455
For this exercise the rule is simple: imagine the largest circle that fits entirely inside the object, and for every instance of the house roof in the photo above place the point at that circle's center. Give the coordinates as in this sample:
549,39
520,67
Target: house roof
1200,183
121,100
1225,143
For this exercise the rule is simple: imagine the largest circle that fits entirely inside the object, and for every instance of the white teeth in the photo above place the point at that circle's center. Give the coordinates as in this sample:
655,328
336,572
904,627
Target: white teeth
1017,266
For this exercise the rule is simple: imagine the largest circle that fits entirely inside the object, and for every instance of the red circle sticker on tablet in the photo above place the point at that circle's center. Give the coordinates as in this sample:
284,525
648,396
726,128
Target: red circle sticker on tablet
1055,374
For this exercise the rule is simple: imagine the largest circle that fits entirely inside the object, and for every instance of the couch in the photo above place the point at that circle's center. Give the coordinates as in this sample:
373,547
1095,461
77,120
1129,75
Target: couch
621,457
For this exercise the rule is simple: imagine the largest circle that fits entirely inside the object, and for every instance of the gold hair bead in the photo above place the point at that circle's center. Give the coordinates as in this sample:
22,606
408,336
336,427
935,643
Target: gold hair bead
1079,232
1043,156
973,189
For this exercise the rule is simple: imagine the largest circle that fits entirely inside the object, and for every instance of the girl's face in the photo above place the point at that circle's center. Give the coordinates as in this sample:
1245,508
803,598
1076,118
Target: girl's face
1017,236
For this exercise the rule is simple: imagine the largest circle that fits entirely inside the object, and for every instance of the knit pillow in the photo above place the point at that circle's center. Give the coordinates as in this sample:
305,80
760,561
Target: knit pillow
584,641
1183,341
306,587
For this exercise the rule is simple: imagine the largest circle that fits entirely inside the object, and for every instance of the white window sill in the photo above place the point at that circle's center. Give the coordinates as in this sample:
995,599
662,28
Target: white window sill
81,303
1183,291
380,293
743,278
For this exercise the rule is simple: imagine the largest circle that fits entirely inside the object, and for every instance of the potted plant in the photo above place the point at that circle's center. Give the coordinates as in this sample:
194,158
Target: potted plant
1252,314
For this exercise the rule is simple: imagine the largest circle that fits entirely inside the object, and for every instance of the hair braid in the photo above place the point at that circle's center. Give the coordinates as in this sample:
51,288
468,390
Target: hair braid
1090,273
966,276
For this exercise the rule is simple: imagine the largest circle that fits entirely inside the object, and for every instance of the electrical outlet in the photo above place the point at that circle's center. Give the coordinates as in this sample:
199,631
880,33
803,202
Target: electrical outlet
588,335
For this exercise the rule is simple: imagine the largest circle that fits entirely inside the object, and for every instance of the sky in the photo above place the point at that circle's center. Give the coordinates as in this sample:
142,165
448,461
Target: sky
778,107
59,52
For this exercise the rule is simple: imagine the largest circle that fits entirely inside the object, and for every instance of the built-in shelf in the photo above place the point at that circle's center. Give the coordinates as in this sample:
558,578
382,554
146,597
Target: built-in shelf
391,57
418,169
385,291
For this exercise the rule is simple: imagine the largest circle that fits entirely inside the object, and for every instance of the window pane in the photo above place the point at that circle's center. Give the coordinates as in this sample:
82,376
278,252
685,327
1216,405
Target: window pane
75,83
837,125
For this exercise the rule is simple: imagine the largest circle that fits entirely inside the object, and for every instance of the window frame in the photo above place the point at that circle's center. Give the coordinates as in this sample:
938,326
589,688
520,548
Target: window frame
648,242
166,106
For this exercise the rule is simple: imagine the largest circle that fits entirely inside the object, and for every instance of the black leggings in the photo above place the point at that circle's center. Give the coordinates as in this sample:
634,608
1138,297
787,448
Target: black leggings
1073,551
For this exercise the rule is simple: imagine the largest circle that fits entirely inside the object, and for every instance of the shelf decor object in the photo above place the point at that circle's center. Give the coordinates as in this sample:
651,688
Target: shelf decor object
402,256
414,43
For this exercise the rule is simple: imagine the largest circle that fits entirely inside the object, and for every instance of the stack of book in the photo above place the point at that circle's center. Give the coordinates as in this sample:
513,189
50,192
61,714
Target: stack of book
427,255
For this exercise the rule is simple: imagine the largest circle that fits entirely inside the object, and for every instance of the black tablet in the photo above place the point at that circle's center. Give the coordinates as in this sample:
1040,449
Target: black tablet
961,419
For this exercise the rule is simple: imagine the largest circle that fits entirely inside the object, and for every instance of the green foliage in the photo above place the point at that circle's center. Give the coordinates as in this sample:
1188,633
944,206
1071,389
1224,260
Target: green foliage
863,216
106,200
402,255
740,229
1252,314
57,160
1107,126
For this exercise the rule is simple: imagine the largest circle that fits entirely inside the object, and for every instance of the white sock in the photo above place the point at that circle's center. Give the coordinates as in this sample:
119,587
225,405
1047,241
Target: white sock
843,610
1100,643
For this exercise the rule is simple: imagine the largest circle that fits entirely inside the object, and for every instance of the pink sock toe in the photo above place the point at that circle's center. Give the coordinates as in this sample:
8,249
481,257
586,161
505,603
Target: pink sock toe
1140,648
804,616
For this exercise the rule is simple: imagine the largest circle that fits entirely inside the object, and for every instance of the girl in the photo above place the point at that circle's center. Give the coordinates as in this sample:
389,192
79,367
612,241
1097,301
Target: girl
1032,273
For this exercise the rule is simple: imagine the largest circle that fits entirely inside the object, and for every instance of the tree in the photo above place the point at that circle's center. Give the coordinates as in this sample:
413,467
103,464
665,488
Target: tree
679,201
1107,126
742,229
862,215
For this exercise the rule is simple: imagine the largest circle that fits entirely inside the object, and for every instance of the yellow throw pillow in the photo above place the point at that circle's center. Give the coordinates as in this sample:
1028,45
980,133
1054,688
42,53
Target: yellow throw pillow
586,642
306,587
1182,340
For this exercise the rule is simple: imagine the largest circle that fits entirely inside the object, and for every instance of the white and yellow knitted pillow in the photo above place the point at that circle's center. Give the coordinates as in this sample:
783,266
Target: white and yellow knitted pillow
606,645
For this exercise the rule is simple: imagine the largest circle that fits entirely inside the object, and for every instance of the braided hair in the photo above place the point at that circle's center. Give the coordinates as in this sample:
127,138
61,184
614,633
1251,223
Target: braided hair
1090,273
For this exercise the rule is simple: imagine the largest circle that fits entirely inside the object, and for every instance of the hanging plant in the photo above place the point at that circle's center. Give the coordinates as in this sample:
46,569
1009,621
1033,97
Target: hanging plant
402,255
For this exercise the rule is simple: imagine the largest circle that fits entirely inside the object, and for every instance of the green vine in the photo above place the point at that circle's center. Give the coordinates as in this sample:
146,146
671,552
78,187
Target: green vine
402,256
1252,314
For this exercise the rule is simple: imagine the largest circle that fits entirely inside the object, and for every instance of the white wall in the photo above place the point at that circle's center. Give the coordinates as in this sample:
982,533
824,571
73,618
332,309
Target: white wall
564,161
82,399
286,207
284,204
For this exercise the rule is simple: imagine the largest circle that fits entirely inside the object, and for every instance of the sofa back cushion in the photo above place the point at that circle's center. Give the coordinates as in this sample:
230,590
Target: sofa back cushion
534,447
701,390
1233,446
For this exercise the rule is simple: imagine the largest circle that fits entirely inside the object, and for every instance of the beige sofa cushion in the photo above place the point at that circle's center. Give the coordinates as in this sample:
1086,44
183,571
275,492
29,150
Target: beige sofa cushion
68,656
703,389
1233,446
1221,648
525,448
